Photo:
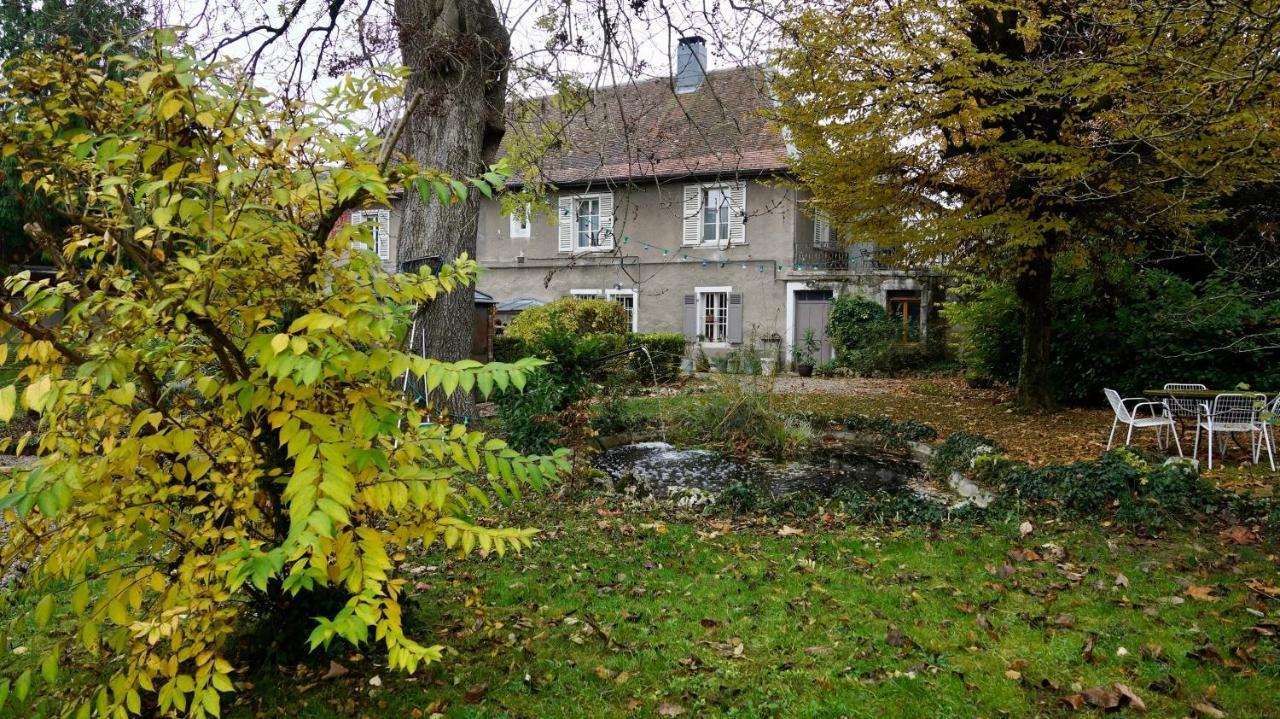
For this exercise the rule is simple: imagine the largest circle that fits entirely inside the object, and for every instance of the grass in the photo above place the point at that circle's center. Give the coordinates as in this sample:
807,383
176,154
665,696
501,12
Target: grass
625,611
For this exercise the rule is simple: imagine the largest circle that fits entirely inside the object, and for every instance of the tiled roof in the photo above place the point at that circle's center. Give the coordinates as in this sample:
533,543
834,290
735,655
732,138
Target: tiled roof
645,130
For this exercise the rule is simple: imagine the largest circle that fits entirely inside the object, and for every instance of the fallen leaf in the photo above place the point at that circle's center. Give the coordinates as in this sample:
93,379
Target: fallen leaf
1239,535
789,531
476,693
1026,528
1206,708
818,651
668,709
1265,590
1075,701
895,637
335,670
1133,699
1122,581
604,673
1013,674
1201,593
1086,653
375,680
1102,697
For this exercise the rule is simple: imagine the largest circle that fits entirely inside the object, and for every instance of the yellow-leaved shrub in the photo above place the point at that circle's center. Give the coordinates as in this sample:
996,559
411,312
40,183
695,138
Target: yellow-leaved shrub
216,369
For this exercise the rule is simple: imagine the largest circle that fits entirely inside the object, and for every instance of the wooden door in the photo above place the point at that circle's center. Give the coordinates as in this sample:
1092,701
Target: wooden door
812,308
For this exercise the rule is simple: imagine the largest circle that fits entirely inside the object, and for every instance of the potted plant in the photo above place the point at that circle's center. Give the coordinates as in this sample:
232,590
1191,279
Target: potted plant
805,353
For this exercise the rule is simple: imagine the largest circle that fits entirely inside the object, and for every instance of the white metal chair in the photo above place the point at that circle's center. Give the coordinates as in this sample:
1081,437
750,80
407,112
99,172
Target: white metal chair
1160,418
1268,434
1183,409
1230,413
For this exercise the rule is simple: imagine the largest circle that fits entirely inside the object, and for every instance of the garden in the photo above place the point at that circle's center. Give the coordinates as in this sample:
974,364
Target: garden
237,481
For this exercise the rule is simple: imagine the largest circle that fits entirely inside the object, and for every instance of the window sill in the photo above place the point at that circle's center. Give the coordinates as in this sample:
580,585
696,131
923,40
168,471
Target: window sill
716,345
712,245
586,250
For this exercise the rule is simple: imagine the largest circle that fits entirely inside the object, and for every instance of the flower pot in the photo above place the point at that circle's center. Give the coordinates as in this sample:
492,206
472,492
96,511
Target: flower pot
804,370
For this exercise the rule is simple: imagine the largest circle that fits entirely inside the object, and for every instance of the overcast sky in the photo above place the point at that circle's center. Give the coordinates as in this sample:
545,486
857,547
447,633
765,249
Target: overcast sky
644,48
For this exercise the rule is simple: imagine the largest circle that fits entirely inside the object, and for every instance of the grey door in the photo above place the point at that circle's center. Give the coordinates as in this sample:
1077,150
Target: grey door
812,308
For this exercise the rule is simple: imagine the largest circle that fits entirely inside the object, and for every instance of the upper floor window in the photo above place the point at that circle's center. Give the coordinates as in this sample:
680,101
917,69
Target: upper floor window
520,222
379,222
715,214
586,222
586,217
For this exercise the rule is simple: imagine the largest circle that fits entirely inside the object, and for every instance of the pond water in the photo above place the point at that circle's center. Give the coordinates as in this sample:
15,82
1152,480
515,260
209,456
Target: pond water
662,469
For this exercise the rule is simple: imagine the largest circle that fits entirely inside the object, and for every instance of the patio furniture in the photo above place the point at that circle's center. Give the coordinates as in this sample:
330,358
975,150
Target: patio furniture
1268,435
1159,418
1233,412
1183,409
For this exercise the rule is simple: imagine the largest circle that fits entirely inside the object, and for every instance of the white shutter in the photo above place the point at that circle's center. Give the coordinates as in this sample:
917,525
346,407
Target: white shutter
566,223
738,213
383,242
821,230
692,214
606,221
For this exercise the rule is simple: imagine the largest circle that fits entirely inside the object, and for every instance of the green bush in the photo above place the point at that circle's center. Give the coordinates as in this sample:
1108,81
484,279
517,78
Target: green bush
570,314
529,416
509,349
667,350
739,416
860,330
1127,329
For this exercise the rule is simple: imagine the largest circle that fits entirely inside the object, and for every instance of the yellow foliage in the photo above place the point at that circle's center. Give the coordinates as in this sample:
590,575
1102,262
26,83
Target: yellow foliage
216,370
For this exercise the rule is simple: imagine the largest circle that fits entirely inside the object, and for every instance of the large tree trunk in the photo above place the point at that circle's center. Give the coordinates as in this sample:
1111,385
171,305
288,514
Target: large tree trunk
1034,285
458,53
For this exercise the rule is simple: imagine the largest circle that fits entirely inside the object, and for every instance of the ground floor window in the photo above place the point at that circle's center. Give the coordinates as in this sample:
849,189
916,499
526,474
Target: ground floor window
627,298
587,294
904,308
713,311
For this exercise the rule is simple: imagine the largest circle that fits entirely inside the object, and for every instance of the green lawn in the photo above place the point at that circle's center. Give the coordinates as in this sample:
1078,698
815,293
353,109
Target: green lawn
642,613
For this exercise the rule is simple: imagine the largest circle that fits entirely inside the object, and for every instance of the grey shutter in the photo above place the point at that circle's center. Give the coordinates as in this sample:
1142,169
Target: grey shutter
735,318
691,317
692,214
566,223
606,221
738,213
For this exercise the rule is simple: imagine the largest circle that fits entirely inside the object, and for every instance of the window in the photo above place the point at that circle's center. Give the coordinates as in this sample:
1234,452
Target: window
627,298
520,222
713,315
586,222
379,222
586,217
715,214
904,308
587,294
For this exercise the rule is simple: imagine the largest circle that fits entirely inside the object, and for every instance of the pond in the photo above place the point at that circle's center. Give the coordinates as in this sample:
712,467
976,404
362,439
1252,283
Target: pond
662,469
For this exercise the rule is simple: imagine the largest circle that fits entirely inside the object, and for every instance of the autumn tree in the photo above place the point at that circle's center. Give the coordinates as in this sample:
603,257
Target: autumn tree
999,135
217,370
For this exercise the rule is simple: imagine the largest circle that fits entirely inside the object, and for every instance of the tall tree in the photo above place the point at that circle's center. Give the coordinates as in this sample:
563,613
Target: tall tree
458,54
999,134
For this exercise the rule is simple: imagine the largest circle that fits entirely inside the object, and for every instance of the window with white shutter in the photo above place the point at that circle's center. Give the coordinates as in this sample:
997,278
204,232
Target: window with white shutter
715,214
586,222
379,222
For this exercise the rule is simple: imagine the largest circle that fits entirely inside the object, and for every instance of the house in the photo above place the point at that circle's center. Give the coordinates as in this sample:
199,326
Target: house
671,200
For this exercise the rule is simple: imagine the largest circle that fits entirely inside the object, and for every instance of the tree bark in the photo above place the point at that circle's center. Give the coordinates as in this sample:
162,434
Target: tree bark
458,53
1034,286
